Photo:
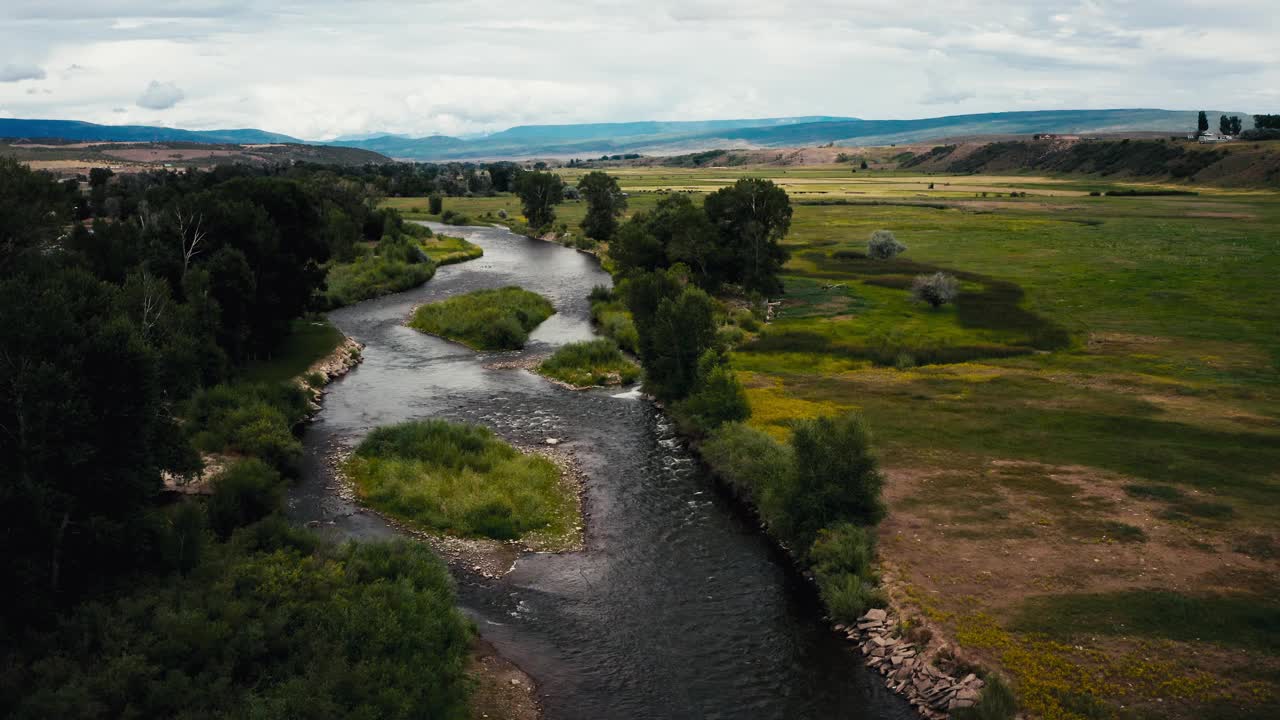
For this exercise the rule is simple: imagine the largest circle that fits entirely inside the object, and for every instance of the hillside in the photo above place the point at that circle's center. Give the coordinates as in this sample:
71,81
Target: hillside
69,159
1240,164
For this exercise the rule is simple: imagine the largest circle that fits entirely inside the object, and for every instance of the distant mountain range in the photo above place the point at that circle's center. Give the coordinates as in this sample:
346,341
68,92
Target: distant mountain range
90,132
660,138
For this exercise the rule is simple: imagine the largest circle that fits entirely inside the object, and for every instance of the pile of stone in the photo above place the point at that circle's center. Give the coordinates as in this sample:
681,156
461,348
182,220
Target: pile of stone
907,670
331,367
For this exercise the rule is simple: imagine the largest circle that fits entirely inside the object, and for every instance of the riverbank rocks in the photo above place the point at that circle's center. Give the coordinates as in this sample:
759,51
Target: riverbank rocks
907,671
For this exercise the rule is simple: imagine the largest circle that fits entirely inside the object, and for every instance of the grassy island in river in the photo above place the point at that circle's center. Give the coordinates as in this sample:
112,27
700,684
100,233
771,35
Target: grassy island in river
460,480
498,319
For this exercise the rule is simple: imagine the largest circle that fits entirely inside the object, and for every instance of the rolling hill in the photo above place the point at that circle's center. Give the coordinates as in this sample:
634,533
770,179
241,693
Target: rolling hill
664,138
657,137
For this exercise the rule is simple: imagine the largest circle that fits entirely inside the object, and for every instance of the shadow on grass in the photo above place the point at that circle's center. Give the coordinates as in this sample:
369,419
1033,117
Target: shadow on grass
1242,621
995,307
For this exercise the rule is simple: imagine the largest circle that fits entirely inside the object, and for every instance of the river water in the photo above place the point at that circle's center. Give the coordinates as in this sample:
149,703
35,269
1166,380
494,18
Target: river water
678,607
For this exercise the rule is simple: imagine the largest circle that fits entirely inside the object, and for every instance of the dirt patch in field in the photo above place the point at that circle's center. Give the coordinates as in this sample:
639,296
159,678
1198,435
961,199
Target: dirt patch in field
1016,528
968,542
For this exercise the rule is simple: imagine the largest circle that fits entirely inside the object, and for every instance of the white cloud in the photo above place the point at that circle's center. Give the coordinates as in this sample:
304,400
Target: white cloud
333,67
160,96
21,71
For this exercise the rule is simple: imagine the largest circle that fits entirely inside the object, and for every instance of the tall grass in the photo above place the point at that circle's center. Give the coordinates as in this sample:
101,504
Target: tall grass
446,250
485,319
396,264
613,318
593,362
460,480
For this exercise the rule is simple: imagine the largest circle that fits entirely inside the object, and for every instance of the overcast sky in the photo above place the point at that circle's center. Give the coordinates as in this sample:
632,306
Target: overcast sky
323,68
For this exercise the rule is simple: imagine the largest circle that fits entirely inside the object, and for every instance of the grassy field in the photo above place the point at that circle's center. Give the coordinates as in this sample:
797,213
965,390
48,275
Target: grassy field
1083,452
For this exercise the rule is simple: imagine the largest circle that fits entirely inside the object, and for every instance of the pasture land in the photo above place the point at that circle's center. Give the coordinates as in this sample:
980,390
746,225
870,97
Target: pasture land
1083,452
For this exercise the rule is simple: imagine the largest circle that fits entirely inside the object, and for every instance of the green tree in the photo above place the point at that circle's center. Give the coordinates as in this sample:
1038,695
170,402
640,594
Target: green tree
837,477
751,216
539,193
32,211
683,329
1266,122
82,427
605,202
1224,124
687,236
435,204
644,293
718,397
1202,122
1237,125
635,249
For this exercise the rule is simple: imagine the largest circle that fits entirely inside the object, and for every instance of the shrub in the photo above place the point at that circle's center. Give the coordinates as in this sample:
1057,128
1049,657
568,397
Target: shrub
718,397
315,379
250,419
996,702
498,319
746,320
845,548
600,293
758,466
841,560
435,204
614,319
837,476
883,245
247,491
593,362
459,479
848,596
937,289
362,631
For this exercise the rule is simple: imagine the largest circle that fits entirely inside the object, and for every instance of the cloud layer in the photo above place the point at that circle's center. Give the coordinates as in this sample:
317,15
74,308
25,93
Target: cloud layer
332,67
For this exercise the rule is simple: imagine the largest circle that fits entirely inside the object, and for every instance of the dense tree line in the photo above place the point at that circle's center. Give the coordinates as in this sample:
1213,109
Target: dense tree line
1266,122
403,179
127,315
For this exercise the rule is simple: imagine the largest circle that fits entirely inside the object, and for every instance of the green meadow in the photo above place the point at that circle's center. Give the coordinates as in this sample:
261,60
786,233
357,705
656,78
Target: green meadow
1093,424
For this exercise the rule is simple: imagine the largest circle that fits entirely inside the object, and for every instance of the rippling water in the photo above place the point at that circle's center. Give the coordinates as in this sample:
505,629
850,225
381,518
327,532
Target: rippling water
678,608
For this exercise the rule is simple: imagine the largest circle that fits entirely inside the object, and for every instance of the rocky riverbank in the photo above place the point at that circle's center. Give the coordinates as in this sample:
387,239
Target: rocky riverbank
924,673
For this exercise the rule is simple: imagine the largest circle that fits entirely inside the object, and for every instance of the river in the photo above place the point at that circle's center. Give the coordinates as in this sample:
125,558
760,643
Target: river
678,607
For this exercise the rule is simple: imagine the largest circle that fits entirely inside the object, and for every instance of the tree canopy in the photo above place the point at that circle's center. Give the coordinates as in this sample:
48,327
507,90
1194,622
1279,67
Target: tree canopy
735,237
605,202
539,193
